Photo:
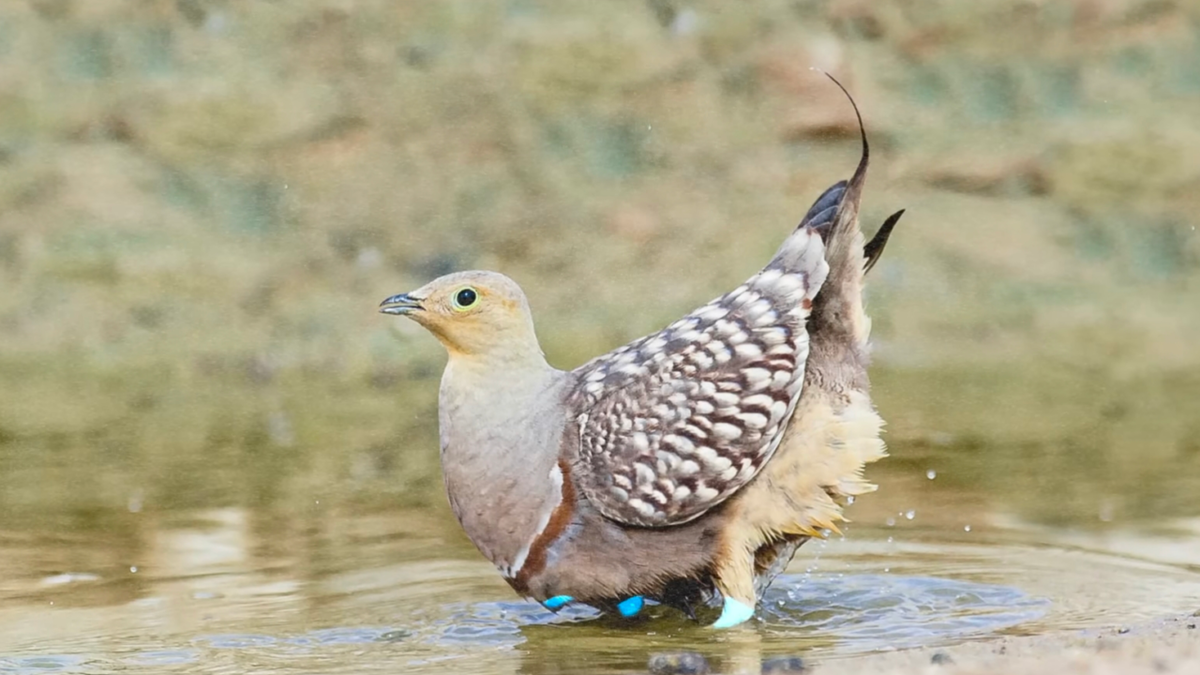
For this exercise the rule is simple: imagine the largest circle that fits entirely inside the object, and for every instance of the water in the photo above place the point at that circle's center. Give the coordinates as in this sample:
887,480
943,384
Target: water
144,546
377,589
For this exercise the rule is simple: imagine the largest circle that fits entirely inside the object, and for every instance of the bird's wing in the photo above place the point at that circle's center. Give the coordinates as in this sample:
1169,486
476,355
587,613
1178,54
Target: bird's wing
674,423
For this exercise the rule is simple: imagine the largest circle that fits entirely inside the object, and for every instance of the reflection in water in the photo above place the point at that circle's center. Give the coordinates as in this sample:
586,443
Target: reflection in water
307,559
207,599
835,612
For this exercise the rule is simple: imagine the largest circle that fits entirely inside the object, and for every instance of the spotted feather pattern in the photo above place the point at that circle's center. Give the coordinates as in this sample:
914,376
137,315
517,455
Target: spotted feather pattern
674,423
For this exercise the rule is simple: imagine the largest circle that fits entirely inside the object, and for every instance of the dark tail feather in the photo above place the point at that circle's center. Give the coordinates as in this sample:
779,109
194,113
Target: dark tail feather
844,220
874,248
837,321
820,215
835,213
834,216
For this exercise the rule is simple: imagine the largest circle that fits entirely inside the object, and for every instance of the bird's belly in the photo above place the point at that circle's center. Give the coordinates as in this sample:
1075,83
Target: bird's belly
598,561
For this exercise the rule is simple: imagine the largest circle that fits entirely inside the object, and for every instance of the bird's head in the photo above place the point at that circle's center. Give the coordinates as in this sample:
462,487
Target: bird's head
473,314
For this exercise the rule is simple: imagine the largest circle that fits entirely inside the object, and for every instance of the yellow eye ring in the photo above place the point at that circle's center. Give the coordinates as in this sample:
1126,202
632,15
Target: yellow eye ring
465,298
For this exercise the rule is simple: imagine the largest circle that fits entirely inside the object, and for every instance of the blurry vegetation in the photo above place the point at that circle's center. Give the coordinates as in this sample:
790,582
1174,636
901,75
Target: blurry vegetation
203,201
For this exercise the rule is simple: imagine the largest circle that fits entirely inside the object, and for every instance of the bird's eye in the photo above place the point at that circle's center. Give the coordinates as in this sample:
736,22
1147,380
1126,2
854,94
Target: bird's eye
465,298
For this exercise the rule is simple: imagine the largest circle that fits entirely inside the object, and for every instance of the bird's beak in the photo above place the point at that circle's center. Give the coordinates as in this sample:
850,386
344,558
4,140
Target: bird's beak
400,304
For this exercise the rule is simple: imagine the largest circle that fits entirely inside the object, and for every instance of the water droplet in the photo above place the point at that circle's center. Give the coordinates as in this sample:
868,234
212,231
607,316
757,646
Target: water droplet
891,522
966,528
887,569
133,569
910,514
850,499
931,474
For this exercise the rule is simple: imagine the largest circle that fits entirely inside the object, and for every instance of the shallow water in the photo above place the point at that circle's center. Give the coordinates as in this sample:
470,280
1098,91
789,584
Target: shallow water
281,556
396,590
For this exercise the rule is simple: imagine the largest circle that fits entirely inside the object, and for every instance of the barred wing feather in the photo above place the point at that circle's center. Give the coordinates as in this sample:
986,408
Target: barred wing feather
672,424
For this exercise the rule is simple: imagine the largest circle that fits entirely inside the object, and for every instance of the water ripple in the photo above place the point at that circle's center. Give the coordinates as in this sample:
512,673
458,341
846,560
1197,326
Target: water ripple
49,663
871,612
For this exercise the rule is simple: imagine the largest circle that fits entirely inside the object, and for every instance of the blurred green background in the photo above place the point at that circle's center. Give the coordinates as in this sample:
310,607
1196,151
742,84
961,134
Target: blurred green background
203,201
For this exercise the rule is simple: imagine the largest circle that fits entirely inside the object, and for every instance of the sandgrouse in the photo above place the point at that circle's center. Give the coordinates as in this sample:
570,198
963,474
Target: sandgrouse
685,467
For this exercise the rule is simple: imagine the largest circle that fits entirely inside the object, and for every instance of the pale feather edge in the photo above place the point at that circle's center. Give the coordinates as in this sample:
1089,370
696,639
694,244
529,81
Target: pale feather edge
514,569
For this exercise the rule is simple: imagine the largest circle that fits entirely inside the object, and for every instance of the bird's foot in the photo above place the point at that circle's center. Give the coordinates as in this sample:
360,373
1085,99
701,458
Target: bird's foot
735,612
557,602
631,606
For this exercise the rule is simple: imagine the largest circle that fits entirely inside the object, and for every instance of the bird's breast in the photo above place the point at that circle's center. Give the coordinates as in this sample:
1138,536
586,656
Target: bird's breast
505,482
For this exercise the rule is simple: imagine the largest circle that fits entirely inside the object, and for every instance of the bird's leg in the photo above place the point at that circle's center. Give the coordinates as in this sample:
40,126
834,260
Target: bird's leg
630,607
734,578
557,602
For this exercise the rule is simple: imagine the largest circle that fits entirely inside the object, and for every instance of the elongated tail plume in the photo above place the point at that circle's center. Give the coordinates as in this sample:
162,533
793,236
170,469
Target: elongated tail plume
837,311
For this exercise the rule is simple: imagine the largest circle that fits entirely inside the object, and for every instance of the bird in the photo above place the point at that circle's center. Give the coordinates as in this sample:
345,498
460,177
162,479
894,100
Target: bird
684,468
